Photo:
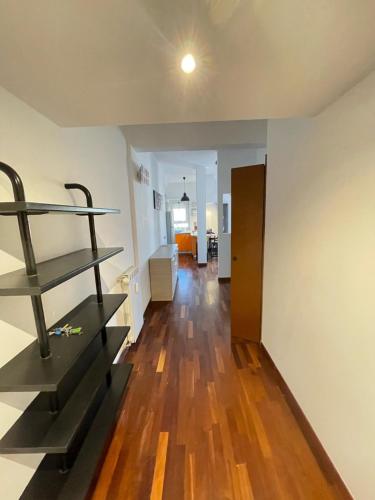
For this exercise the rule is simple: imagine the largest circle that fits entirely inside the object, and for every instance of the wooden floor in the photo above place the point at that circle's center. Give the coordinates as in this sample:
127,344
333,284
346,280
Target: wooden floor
203,419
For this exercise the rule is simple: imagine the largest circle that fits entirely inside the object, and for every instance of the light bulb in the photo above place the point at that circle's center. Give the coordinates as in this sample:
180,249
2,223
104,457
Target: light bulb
188,63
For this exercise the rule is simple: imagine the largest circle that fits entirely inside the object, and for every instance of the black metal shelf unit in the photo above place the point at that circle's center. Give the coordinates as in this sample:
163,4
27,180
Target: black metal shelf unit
53,272
30,208
80,390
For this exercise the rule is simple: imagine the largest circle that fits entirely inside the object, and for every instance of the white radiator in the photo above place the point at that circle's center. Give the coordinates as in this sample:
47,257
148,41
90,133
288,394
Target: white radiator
132,309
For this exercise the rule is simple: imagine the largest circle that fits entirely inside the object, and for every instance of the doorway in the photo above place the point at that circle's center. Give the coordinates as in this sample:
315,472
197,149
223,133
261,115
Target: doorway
247,243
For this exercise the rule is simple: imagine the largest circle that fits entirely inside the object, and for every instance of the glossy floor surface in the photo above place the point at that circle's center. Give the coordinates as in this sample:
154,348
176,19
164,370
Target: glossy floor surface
204,419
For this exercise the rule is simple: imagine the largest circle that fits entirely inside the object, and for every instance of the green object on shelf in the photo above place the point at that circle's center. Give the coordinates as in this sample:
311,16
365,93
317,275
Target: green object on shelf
66,330
76,331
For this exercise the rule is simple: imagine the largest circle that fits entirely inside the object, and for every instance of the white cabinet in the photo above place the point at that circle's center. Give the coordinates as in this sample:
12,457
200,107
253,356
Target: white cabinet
163,272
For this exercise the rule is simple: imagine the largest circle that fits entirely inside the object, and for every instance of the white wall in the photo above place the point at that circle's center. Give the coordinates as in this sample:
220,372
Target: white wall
211,188
226,160
211,217
158,183
46,156
319,286
150,224
201,216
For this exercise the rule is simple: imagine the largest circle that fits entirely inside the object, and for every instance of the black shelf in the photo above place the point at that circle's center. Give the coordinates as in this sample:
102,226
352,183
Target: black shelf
29,372
48,483
53,272
30,208
80,390
39,431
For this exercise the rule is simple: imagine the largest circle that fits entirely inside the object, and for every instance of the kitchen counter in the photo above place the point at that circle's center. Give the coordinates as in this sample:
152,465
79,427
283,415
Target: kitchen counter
187,243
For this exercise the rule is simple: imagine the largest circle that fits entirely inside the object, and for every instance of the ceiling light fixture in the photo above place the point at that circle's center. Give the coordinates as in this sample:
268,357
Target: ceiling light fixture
185,197
188,63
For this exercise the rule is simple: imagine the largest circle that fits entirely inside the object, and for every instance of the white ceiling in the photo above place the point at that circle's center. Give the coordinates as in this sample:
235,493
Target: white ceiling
174,174
116,61
177,164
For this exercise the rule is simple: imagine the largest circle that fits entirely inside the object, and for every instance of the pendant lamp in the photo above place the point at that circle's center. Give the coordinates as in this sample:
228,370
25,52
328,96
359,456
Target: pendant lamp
185,197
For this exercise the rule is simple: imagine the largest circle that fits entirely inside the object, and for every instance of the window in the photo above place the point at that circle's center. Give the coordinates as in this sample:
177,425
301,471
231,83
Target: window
180,219
180,226
179,214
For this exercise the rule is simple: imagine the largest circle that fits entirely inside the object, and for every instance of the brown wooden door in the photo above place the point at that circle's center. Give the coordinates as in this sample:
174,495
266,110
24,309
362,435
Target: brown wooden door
248,195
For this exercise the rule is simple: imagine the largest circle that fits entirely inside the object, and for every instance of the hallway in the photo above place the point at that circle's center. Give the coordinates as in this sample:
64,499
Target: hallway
201,420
